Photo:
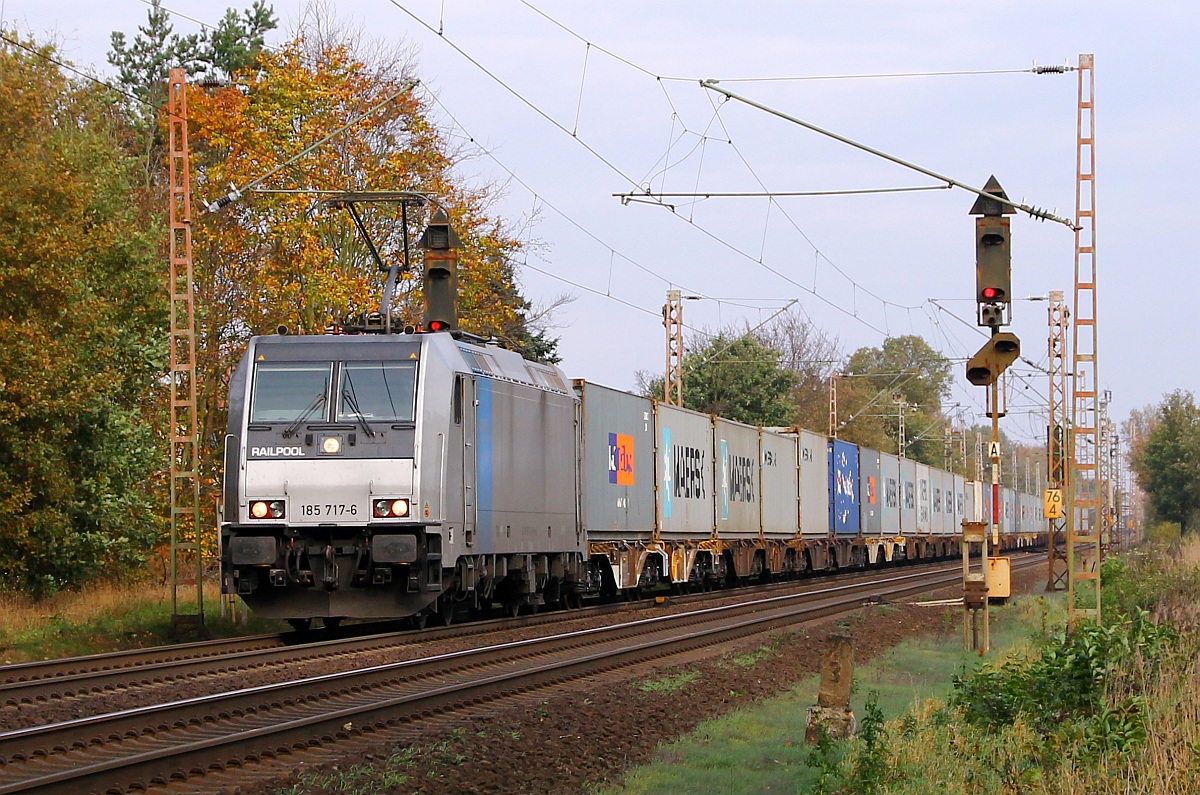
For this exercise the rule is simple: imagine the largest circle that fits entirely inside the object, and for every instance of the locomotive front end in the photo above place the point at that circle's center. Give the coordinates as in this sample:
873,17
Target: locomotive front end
324,512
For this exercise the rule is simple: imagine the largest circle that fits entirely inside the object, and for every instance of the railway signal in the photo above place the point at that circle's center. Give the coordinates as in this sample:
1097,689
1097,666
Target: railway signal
993,358
993,256
440,243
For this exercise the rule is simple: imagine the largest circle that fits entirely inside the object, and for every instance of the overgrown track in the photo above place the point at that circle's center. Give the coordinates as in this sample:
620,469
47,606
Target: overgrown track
176,741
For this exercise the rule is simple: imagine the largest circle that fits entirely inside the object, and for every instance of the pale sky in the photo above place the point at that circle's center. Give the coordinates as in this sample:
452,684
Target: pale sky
585,100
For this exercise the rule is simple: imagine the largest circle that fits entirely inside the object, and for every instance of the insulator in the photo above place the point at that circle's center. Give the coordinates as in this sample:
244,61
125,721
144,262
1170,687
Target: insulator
1050,70
225,200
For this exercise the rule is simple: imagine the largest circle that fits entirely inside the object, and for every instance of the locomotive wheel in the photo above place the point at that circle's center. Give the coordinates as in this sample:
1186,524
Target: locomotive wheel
300,624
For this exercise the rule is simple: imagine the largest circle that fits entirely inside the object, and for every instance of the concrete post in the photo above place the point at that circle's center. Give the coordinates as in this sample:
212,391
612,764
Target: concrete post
832,712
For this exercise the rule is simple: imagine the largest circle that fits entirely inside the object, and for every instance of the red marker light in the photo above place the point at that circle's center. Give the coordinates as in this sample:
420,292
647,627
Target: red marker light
436,325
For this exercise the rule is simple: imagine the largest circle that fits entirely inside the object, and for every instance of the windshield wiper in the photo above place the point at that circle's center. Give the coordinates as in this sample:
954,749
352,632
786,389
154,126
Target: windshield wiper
352,402
318,401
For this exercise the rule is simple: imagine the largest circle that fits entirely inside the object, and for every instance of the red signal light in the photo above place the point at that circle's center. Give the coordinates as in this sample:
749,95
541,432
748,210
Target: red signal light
990,293
437,325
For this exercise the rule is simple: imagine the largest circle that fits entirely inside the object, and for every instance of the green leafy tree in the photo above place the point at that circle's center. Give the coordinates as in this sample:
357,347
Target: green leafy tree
736,377
904,375
82,337
1167,462
776,375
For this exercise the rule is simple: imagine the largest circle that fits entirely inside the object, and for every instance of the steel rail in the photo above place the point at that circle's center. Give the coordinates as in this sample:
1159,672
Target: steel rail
60,752
34,682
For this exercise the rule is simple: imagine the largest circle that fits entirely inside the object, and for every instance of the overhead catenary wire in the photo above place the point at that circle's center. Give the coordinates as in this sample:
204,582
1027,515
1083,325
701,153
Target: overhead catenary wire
1044,215
236,193
854,311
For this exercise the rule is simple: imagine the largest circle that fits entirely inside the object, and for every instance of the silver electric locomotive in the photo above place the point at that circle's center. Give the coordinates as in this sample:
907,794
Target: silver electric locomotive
372,476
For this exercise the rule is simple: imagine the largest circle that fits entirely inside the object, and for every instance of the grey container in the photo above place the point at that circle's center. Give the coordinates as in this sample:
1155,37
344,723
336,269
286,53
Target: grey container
960,503
683,468
814,484
943,502
889,475
617,464
908,496
924,523
870,514
738,480
780,506
973,492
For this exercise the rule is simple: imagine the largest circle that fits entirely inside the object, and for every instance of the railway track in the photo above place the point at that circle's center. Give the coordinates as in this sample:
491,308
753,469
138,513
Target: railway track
28,685
181,740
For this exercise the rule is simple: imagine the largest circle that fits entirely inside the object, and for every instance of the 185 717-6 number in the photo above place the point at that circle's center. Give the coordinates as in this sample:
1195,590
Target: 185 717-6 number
329,509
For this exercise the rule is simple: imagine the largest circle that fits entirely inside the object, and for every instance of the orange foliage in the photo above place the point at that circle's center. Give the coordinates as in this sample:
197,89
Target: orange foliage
274,259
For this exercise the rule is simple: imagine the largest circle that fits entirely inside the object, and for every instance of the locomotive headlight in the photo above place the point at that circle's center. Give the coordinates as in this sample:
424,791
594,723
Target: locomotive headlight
331,445
267,509
388,509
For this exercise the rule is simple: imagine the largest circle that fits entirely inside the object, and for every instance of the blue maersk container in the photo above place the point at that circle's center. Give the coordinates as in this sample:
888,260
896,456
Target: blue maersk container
843,487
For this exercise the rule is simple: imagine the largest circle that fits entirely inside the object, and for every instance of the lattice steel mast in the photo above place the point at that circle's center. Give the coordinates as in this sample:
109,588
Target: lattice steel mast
1084,541
187,563
1056,437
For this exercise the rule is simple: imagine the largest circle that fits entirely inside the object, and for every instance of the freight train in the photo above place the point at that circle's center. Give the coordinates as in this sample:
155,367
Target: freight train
428,474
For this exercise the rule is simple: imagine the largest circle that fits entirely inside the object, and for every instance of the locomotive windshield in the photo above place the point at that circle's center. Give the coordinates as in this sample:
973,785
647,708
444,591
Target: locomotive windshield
285,391
377,391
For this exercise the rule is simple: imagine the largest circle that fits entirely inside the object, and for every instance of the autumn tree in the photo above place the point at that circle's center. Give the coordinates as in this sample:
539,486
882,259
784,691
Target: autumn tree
81,333
812,357
304,123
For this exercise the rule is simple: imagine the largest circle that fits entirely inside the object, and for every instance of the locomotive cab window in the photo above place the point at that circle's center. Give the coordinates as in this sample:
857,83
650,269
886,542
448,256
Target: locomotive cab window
286,391
377,391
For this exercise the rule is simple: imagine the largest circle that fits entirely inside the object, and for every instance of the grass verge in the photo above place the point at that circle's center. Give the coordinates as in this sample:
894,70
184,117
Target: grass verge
762,749
1109,708
101,619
